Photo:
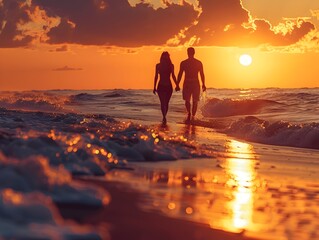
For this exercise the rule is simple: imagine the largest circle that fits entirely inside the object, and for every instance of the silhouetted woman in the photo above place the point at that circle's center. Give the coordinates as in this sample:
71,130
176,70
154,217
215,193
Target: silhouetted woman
164,69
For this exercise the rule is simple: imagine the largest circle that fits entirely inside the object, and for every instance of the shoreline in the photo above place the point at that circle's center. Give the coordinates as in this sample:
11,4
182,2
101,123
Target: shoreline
229,184
127,221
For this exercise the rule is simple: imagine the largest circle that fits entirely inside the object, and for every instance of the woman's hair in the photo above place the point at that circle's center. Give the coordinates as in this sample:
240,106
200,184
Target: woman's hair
165,59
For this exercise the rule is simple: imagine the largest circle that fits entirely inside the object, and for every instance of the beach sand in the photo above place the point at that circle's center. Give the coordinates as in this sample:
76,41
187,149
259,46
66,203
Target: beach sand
147,181
126,220
248,191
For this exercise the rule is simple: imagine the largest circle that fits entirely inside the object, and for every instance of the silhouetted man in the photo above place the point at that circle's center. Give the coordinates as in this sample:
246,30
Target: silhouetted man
191,88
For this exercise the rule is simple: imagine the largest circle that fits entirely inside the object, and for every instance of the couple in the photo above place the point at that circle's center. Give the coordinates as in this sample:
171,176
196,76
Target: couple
191,88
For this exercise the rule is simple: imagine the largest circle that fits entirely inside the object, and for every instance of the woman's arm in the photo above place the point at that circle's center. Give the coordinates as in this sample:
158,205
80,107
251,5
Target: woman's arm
155,78
174,79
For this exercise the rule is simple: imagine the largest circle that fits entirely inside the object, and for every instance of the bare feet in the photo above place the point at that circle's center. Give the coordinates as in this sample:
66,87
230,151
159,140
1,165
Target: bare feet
164,121
188,119
193,119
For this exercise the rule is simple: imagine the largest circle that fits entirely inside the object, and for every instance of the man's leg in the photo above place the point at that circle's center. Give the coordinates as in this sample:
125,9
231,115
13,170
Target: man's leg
188,108
196,93
194,109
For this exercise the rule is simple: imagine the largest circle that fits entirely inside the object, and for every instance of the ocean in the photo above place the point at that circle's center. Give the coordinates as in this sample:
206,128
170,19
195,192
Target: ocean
248,163
287,117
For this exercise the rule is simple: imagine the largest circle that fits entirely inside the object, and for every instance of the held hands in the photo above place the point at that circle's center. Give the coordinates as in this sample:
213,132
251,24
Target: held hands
177,88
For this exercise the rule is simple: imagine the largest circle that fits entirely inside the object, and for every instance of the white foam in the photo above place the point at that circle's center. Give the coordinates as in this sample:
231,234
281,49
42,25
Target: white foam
230,107
33,101
34,216
276,133
34,174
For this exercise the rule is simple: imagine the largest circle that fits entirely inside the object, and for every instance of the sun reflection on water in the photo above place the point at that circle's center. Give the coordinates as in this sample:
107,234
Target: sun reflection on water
220,192
245,93
241,171
221,195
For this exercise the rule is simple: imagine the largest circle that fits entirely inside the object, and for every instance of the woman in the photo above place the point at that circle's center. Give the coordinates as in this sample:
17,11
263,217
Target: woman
164,69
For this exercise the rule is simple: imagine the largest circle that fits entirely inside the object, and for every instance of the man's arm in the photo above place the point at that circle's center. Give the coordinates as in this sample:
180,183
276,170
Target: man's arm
180,73
202,77
174,79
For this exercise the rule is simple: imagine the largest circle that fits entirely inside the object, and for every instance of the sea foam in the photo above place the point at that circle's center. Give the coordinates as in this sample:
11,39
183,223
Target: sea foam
89,144
229,107
276,133
41,152
34,216
33,101
35,174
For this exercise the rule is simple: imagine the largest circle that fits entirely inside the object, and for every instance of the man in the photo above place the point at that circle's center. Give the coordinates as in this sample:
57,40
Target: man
191,87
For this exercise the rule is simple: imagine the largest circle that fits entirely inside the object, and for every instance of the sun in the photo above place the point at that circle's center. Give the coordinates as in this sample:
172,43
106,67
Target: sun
245,60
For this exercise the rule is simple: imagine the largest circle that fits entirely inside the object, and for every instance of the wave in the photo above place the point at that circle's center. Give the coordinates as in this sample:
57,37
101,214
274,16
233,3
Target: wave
113,95
88,144
229,107
31,183
82,97
299,95
87,96
281,133
34,216
32,101
41,152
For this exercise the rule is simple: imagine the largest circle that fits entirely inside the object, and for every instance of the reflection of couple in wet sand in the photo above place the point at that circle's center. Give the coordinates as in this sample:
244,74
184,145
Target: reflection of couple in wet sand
191,87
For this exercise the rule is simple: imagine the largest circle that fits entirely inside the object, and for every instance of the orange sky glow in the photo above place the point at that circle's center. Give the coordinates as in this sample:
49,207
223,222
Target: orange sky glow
106,44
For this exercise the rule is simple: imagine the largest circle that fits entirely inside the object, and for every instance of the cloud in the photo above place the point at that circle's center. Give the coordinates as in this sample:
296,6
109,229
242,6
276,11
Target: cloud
11,13
274,10
113,50
315,13
228,23
22,23
66,68
63,48
310,43
116,23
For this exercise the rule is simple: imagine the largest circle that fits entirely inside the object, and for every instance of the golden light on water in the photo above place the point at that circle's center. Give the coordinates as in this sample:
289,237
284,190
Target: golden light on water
223,200
241,171
220,192
189,210
171,206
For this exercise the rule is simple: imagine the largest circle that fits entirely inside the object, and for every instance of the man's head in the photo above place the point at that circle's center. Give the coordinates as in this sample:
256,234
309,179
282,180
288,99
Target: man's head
190,52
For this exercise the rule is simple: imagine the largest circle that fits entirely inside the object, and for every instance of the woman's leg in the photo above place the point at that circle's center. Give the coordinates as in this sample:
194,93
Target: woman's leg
161,95
167,99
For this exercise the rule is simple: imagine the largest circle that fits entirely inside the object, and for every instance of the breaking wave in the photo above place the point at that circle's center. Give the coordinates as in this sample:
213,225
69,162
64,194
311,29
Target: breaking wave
229,107
34,216
41,152
281,133
33,101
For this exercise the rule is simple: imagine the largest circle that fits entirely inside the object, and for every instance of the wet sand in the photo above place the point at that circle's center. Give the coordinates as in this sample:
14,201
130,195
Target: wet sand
247,191
165,182
126,220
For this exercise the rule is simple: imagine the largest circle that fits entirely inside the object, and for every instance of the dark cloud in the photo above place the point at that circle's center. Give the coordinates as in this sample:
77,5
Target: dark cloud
115,22
228,23
13,12
299,31
63,48
66,68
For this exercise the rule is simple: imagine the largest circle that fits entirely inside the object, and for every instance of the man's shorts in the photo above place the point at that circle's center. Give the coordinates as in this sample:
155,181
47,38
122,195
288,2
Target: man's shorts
191,90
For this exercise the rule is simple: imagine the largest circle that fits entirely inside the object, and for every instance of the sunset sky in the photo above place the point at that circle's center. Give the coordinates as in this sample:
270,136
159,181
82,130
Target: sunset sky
102,44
